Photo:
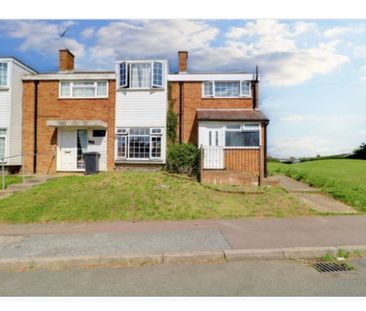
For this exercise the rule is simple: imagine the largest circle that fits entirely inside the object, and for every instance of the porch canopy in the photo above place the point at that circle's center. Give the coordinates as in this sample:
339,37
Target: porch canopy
77,123
230,115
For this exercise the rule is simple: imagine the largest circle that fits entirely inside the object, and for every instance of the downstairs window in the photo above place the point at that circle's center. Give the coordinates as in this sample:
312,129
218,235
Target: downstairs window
2,143
139,143
246,135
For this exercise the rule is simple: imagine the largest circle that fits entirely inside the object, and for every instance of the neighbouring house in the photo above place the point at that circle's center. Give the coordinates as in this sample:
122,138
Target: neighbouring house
65,114
141,112
220,112
11,93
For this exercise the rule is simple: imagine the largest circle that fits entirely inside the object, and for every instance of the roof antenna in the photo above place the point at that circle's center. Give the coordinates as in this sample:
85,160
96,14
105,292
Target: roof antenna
62,34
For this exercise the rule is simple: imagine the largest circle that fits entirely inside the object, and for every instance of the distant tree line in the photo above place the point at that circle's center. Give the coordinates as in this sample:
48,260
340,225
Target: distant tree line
359,153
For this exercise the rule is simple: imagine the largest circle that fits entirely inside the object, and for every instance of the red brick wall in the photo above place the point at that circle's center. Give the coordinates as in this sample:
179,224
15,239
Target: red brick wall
192,100
52,108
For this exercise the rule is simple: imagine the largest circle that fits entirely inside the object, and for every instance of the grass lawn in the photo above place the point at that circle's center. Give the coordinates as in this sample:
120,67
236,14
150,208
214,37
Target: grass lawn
10,179
140,196
343,179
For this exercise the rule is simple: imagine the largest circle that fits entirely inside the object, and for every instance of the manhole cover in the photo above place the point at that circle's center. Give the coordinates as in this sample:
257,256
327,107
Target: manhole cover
332,267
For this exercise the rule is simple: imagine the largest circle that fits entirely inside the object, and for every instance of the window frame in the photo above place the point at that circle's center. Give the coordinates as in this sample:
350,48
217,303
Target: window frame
6,86
71,86
127,85
5,136
125,132
243,128
241,95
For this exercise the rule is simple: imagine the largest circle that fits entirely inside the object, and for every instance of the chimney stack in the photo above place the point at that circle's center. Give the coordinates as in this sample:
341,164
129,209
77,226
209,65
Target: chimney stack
182,56
66,60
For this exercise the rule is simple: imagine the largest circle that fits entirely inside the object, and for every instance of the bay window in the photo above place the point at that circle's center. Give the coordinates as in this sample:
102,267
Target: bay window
140,75
242,135
226,89
139,143
83,89
3,74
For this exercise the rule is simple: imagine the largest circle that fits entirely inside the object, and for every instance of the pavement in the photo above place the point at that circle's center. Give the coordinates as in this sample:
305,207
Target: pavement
244,278
177,241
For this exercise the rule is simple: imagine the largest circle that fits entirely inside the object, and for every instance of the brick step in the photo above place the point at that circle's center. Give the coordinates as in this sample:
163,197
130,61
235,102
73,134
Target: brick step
221,177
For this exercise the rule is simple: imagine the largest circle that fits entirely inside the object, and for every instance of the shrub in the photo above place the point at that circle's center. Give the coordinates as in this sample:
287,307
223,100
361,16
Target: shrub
183,159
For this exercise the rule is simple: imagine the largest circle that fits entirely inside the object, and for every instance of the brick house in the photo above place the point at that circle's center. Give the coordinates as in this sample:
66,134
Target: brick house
122,115
65,114
220,113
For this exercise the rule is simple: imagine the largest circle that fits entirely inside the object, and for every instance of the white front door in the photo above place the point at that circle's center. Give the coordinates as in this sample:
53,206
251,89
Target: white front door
68,149
213,146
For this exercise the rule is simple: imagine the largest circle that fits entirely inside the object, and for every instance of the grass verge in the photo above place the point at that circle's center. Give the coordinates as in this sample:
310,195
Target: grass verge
343,179
140,196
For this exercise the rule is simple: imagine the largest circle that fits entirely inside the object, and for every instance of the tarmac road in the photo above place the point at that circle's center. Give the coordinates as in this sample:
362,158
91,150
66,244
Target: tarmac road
244,278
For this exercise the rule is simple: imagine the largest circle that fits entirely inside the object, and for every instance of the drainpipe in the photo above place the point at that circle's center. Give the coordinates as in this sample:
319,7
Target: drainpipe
255,89
265,149
35,126
180,110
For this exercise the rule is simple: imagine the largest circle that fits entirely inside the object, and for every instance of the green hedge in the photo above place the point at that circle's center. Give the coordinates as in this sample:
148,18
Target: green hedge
183,159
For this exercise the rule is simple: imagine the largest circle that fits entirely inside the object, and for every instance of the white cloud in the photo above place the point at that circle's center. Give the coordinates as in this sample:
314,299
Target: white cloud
339,31
42,37
88,33
150,38
275,47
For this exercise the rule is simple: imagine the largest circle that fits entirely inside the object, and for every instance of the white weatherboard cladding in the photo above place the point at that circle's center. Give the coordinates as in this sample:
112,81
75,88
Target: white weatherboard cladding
15,133
11,110
146,108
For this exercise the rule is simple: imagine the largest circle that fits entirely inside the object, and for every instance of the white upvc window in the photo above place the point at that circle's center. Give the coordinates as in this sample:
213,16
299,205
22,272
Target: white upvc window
83,89
2,143
226,89
139,143
140,75
4,72
242,135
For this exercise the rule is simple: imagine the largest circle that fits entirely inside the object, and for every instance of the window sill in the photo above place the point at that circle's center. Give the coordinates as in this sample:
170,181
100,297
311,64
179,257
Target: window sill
104,97
140,89
4,88
147,161
233,97
243,148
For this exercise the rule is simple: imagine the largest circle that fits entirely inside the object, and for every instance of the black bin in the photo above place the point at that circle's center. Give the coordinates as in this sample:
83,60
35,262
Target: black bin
91,160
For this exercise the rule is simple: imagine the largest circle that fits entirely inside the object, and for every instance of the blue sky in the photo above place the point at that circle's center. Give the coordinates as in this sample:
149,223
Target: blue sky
313,72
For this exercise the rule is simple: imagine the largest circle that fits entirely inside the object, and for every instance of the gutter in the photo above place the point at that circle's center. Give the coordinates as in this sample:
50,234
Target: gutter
35,122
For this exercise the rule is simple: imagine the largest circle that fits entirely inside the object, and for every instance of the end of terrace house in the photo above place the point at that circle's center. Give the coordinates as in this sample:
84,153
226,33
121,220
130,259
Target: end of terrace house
122,115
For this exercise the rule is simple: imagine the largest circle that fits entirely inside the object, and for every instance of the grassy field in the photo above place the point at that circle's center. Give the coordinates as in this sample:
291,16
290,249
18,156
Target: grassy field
139,196
345,179
10,180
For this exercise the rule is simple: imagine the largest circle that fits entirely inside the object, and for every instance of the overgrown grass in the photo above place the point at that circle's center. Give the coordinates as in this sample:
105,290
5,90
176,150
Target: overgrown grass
140,196
10,179
345,180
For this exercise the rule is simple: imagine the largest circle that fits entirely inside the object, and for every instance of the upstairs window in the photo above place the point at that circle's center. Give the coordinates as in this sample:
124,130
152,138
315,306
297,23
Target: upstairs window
141,75
226,89
3,74
84,89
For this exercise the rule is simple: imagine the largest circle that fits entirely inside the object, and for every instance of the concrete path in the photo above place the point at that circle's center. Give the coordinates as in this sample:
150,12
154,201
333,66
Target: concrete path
312,196
19,187
128,238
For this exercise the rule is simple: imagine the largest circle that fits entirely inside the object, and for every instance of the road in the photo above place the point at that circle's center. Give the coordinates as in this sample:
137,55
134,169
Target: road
245,278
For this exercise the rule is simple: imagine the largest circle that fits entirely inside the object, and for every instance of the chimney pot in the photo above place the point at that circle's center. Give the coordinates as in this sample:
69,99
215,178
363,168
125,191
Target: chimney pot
182,56
66,60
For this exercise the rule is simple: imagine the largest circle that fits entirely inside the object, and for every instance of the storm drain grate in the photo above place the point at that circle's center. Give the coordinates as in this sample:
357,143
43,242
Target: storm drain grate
332,267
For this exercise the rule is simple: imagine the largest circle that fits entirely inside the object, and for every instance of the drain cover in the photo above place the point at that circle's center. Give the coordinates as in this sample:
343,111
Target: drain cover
332,267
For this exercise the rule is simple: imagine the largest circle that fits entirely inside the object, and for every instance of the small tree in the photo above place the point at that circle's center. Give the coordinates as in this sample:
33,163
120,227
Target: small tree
360,153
